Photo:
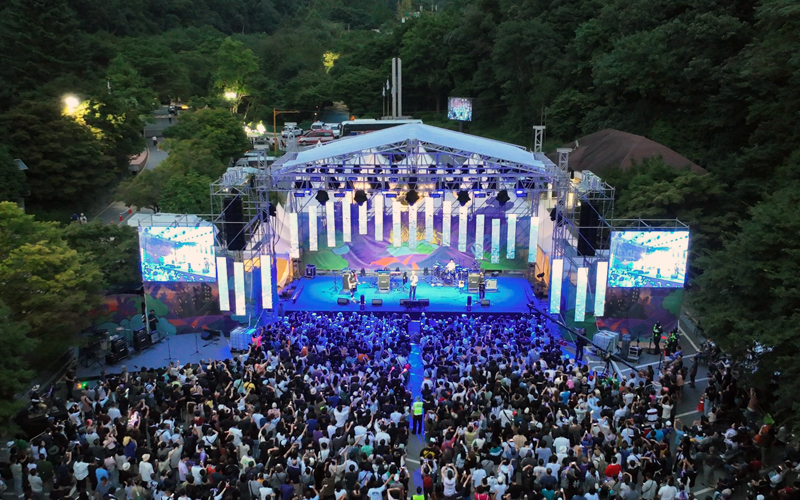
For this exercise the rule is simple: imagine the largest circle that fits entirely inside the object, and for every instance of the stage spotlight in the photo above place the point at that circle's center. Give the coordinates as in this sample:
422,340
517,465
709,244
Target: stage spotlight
463,197
502,197
412,197
322,197
360,197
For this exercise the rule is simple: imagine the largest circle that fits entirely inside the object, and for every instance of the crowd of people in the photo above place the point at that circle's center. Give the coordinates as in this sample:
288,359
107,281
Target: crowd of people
323,407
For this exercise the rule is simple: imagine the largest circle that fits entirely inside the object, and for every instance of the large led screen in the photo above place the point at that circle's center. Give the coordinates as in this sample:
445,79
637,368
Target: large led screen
459,108
178,254
648,259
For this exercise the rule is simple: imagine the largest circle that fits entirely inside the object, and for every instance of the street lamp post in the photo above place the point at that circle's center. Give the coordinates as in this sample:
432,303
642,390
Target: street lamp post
275,113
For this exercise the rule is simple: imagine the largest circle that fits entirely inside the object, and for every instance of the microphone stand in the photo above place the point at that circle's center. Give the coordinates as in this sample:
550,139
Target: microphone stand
169,349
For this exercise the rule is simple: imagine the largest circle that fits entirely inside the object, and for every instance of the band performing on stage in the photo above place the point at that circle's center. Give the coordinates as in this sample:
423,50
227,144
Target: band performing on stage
469,279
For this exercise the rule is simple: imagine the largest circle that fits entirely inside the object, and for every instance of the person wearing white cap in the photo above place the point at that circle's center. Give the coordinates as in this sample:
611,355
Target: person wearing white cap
146,469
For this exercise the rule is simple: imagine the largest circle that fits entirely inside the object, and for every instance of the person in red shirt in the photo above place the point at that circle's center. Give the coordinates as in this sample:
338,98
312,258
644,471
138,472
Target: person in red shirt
613,469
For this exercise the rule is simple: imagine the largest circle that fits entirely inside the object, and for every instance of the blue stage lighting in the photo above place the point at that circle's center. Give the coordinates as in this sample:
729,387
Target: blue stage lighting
299,194
521,193
390,195
436,195
339,195
316,179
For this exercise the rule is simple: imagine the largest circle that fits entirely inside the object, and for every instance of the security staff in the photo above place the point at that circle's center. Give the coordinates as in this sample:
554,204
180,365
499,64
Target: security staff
418,413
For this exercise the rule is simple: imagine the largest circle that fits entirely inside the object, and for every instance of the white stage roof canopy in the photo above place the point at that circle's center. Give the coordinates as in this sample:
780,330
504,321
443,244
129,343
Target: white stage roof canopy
456,142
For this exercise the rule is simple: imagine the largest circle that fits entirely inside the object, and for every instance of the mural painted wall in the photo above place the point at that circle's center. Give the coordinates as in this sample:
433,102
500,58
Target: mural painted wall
365,251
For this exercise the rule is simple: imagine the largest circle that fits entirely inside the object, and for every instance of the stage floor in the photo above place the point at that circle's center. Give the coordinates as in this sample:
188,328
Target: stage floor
318,294
179,348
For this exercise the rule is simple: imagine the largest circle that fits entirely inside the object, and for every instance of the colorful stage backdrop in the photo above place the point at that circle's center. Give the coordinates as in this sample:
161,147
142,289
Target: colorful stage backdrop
482,235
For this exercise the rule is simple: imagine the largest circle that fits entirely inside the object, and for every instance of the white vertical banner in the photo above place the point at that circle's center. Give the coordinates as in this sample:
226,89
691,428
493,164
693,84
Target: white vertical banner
533,240
347,226
222,283
600,289
479,232
377,205
556,278
238,287
294,238
397,233
495,241
580,294
447,214
362,218
429,219
266,282
412,227
330,221
511,237
313,236
462,229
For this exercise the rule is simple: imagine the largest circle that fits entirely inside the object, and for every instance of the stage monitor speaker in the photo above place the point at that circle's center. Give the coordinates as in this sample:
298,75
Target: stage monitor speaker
424,302
377,302
207,335
233,227
485,302
342,301
587,231
404,302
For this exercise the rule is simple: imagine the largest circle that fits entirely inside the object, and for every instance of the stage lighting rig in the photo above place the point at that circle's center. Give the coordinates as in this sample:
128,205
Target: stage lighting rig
412,197
502,197
360,197
463,197
322,197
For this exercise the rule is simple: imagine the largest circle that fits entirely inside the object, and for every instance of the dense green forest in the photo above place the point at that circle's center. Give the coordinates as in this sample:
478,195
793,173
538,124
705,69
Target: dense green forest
717,81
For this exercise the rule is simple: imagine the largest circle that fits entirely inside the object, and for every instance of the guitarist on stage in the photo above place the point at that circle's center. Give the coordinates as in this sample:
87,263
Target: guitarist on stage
353,285
482,287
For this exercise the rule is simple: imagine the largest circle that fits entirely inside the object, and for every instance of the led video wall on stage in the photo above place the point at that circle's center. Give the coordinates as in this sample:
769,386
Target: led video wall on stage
648,259
183,254
335,236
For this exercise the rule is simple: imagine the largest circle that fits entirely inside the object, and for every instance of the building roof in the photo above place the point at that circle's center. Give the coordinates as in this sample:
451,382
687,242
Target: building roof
613,148
457,143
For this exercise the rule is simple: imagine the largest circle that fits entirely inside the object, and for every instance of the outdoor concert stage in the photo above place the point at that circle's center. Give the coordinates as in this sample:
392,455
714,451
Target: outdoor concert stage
186,348
321,293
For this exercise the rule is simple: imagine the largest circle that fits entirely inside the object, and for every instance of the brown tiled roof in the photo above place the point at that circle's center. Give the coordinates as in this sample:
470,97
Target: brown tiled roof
608,148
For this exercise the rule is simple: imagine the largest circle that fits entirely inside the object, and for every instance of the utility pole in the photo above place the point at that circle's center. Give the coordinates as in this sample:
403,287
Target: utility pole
275,114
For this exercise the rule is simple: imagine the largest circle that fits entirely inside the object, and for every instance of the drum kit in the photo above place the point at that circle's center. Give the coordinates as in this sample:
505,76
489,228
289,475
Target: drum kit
444,277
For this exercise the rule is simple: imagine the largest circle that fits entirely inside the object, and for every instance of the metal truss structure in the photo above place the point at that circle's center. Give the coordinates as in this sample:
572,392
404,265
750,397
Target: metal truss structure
426,168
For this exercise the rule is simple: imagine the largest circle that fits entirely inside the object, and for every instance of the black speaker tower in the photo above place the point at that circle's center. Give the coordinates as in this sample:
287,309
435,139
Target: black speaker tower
587,231
233,227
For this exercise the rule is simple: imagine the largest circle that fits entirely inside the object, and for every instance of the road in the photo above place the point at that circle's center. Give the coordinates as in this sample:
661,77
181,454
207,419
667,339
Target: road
117,212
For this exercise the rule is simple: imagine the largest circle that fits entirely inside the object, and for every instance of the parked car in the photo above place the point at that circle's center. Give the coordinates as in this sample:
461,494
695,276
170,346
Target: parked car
291,130
316,136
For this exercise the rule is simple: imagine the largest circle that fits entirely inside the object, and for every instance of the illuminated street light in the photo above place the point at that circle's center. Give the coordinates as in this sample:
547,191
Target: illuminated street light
231,96
261,128
71,102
